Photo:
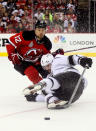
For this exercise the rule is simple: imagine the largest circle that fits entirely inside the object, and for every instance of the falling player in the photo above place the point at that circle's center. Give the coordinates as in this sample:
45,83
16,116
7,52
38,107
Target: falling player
25,51
59,86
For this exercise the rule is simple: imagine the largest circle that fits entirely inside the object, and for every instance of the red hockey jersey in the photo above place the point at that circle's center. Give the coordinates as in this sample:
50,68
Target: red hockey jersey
28,48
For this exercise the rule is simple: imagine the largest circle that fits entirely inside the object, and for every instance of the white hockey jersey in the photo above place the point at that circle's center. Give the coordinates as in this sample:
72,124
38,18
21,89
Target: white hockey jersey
62,64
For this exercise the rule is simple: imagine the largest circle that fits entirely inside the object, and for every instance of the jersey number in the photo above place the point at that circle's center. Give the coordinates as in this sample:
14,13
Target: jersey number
18,39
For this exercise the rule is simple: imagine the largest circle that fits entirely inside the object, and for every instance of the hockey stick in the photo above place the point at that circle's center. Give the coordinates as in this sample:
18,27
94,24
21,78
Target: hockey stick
80,49
75,90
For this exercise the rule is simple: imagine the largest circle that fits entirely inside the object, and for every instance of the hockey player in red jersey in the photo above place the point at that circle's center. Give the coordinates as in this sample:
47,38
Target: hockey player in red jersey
25,50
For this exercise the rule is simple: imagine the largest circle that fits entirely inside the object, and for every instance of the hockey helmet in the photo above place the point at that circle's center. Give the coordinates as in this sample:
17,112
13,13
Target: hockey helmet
40,24
46,59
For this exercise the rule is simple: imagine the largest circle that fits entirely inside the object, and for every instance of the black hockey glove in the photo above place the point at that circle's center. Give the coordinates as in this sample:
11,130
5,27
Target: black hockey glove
85,62
31,97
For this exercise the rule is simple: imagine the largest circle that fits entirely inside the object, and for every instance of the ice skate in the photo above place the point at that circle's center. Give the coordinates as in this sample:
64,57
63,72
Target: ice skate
59,104
33,89
27,90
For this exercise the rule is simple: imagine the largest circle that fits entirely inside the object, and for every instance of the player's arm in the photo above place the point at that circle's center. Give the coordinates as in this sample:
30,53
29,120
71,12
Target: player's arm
12,55
73,60
14,43
81,60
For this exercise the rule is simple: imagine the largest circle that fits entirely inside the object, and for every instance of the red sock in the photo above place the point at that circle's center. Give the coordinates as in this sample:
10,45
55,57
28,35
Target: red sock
32,74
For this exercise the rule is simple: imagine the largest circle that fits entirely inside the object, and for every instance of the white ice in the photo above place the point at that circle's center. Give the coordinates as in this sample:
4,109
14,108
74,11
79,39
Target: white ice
16,114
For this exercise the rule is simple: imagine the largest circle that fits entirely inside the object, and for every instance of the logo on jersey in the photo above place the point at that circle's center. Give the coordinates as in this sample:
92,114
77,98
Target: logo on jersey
59,39
33,55
31,44
30,51
33,52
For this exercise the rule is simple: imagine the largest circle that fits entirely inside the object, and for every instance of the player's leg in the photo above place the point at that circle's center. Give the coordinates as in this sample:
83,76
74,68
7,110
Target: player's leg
54,102
42,72
68,82
28,69
48,87
32,74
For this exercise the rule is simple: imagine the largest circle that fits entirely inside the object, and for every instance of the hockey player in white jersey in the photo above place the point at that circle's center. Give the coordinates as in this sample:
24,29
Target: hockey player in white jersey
58,87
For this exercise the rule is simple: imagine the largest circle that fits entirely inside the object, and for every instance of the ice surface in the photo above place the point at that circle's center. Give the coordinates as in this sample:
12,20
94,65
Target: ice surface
16,114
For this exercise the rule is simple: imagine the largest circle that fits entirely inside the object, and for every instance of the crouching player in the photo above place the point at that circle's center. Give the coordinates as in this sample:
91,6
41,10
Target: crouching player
58,87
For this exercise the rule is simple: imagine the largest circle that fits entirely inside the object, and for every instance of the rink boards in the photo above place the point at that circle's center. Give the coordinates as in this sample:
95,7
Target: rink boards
69,42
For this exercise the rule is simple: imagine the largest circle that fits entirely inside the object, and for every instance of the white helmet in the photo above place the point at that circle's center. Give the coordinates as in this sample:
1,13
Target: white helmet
46,59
